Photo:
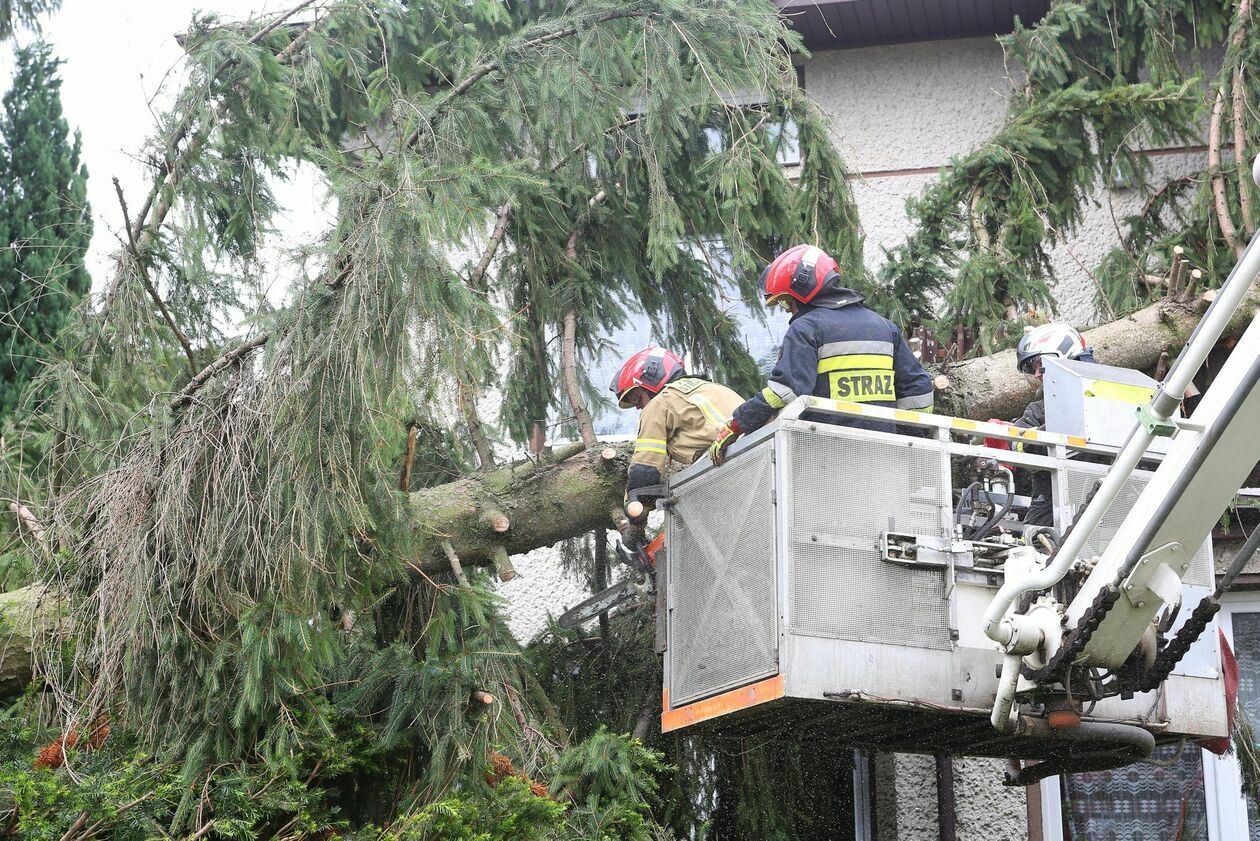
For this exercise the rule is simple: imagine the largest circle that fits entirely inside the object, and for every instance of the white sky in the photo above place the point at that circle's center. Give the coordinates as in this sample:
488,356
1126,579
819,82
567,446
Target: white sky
121,67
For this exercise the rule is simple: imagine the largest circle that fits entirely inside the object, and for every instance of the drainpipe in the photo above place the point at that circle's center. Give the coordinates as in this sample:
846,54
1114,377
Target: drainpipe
946,818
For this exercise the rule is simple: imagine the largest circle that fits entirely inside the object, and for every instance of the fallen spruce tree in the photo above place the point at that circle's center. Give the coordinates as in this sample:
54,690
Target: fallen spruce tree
280,640
483,519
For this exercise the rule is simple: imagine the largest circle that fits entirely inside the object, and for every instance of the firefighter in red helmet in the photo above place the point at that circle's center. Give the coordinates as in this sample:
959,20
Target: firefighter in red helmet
679,413
834,347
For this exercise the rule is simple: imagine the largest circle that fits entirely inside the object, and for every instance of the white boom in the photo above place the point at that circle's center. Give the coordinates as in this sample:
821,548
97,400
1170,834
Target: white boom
1140,572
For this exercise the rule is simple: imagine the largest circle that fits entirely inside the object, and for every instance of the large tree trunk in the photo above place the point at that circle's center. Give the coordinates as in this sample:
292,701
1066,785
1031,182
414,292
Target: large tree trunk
990,387
22,613
483,518
518,508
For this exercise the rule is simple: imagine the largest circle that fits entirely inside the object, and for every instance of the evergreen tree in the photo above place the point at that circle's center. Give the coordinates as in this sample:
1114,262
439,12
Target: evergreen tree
44,220
1103,81
282,641
15,14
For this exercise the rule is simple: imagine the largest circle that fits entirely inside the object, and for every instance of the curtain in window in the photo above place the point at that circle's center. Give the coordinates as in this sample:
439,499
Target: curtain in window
1247,652
1139,803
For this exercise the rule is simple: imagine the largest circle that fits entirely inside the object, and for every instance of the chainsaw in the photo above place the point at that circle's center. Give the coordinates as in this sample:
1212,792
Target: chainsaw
641,558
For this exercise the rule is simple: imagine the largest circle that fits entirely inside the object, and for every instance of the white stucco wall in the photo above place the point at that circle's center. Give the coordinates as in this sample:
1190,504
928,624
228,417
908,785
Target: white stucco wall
541,587
984,809
899,113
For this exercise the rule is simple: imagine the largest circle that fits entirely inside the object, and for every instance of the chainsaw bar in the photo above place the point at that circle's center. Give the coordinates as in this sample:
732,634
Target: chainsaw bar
602,602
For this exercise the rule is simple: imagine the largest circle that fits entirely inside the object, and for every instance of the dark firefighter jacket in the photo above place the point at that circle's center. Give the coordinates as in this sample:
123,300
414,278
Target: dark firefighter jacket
1041,511
843,352
679,423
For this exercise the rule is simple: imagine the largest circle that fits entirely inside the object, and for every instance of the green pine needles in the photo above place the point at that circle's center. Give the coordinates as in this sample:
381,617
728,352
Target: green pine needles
1101,83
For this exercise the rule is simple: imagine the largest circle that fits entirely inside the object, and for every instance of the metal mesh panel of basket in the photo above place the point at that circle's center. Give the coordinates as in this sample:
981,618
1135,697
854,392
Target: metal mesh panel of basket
844,491
723,629
1079,484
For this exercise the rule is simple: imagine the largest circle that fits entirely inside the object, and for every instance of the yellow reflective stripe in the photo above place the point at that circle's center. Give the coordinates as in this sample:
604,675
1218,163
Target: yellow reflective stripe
773,399
1076,441
851,361
710,411
646,448
905,415
1137,395
927,410
660,441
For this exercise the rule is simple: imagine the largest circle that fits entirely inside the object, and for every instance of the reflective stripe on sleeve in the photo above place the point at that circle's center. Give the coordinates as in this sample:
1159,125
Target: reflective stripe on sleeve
846,348
650,445
917,402
778,395
711,414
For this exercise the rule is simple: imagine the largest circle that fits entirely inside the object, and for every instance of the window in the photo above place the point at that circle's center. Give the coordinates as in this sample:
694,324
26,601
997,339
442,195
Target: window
1141,801
1198,796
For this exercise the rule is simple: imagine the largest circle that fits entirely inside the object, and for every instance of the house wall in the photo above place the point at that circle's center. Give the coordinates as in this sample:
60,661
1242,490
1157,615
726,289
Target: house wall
899,113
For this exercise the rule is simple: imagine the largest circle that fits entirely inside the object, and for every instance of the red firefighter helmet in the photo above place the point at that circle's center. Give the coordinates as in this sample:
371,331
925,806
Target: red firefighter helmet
650,369
800,272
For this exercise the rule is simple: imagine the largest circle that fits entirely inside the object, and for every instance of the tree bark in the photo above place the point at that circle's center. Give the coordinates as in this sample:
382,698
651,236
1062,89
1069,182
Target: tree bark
22,613
543,503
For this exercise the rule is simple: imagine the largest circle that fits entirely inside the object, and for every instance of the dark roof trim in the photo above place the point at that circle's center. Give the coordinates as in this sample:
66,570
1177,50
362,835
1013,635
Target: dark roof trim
837,24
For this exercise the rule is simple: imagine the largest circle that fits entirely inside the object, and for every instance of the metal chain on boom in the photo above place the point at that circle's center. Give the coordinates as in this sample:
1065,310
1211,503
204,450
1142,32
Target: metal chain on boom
1170,655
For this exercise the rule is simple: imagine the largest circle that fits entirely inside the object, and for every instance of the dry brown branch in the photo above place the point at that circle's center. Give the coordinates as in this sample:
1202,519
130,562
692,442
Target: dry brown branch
404,481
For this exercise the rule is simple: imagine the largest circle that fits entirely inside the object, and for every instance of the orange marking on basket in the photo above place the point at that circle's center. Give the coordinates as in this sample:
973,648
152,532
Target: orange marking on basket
728,702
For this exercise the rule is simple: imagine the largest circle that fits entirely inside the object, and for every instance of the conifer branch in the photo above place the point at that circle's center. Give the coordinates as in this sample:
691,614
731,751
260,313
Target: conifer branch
1239,115
569,363
487,67
456,566
175,163
477,279
1221,202
569,351
476,431
150,288
207,373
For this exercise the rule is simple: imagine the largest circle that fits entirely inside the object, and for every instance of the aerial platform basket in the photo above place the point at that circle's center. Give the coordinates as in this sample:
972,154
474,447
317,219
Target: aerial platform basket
816,587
